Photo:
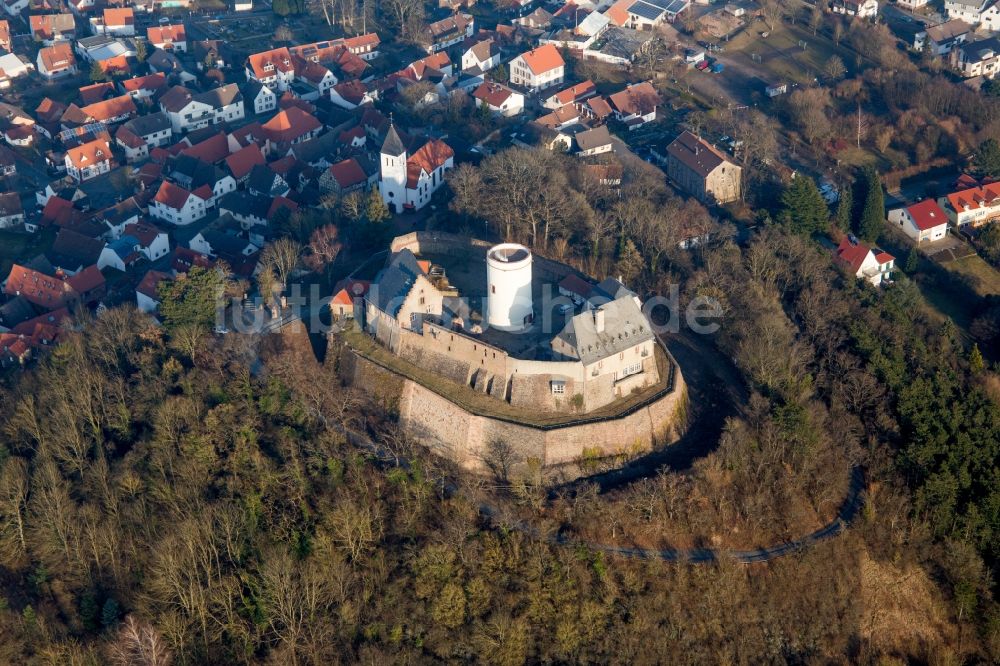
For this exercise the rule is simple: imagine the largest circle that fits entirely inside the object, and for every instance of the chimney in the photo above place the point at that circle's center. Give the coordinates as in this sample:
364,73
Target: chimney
599,320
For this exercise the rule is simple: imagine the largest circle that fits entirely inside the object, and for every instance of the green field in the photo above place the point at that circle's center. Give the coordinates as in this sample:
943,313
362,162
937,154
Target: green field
980,275
781,58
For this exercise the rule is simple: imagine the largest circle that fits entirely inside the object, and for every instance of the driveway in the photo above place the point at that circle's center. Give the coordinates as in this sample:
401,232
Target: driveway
947,249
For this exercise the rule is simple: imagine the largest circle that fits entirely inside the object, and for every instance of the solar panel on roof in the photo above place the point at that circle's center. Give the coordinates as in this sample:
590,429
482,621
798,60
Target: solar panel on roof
645,10
671,6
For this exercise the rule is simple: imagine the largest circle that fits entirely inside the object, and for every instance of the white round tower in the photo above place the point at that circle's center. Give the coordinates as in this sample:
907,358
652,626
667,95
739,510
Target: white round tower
508,278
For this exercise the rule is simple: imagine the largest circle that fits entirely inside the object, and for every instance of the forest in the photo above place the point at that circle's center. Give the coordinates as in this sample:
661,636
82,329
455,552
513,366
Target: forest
168,496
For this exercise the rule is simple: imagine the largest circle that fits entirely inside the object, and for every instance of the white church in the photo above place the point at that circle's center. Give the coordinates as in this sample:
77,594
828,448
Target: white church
407,182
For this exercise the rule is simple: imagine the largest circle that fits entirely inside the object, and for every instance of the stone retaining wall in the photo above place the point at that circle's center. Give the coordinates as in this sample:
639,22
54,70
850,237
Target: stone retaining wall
459,435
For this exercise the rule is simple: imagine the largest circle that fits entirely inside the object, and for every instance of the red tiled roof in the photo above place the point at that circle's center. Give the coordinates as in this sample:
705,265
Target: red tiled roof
166,34
145,232
349,291
119,16
492,94
150,282
96,92
543,59
290,124
639,99
432,155
927,214
281,202
348,173
42,290
111,108
618,12
244,160
93,152
172,196
184,259
87,280
213,149
49,110
279,58
575,93
852,254
149,82
57,57
975,197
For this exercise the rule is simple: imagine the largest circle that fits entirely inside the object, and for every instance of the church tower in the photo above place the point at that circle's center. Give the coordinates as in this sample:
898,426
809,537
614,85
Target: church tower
392,170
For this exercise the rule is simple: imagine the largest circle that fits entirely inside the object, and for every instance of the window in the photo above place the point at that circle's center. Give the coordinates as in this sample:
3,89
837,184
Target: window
628,371
558,387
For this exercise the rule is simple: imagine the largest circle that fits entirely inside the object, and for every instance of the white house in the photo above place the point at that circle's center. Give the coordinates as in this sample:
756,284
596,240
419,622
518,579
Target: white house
923,222
970,11
118,22
448,32
89,160
273,68
168,37
56,61
636,105
500,99
980,58
975,206
538,69
152,242
174,204
147,295
941,39
859,8
481,57
190,111
407,182
593,141
264,99
865,263
13,66
912,4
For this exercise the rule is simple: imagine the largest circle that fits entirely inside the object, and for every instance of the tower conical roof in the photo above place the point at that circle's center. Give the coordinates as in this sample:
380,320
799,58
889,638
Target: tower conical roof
392,145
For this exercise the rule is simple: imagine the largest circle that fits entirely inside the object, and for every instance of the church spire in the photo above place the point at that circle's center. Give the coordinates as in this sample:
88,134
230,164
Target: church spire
392,145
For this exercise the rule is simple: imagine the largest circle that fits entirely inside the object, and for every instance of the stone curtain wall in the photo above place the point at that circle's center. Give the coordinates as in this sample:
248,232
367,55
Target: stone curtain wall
464,437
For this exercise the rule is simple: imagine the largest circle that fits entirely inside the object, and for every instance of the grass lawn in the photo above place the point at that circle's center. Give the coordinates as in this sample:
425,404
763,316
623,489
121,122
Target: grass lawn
480,403
981,276
782,59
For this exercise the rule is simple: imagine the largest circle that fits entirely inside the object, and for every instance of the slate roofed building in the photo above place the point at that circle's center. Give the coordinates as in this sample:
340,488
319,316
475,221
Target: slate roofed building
700,169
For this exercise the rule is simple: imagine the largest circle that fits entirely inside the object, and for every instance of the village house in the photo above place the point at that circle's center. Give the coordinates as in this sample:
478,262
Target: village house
865,263
636,105
923,222
538,69
52,293
191,111
147,295
12,66
138,136
242,162
940,39
572,95
351,94
974,12
447,32
179,206
701,170
5,41
979,58
263,99
72,251
118,22
407,181
288,127
645,14
51,28
89,160
912,4
151,241
346,176
273,68
168,37
481,57
974,206
858,8
593,141
499,99
144,88
56,61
